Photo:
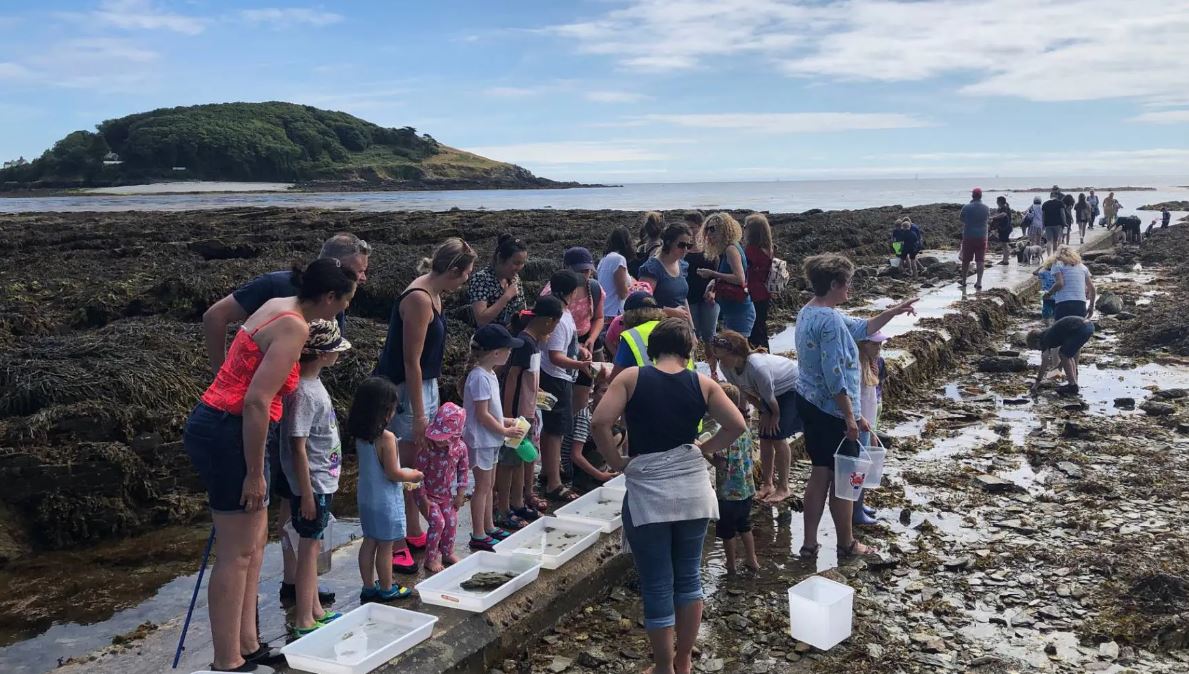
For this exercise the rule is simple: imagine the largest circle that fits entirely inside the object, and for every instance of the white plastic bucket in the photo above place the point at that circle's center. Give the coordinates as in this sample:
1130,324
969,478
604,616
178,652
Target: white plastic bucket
850,473
291,540
894,261
821,612
878,453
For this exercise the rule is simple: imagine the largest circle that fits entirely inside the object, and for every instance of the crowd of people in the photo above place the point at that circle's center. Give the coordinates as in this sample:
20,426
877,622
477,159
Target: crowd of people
592,378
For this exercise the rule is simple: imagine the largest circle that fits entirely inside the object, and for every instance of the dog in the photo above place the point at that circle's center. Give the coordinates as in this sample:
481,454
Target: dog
1034,254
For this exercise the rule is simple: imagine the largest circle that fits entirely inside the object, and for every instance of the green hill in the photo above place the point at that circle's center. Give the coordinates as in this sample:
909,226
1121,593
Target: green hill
261,142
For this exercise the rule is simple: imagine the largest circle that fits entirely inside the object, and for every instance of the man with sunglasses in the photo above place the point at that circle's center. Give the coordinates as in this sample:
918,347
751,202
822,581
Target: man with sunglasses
353,253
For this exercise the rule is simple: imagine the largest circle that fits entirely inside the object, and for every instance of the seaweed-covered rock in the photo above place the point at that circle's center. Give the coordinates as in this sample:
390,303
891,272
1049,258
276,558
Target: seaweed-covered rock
1109,303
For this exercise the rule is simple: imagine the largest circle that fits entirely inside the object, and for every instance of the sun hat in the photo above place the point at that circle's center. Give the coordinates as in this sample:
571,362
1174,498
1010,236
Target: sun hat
495,336
325,338
447,423
578,259
640,300
877,337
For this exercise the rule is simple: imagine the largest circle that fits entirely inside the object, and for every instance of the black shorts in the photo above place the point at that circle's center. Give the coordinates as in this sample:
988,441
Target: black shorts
790,418
315,528
214,441
1071,308
1074,343
823,433
560,419
280,484
734,517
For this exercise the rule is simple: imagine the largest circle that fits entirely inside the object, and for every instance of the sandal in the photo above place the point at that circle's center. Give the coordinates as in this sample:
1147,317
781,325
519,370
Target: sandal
487,544
509,521
498,534
527,514
850,550
562,494
807,552
536,503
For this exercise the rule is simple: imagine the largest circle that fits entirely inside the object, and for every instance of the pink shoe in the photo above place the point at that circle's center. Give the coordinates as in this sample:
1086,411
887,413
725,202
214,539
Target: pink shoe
403,562
417,542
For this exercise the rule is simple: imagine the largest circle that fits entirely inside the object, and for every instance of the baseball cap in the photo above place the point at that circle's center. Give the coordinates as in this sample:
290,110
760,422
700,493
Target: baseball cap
325,338
976,192
495,336
877,337
447,423
640,300
578,259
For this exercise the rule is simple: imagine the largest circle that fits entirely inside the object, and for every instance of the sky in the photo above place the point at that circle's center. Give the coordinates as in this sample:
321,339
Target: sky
645,90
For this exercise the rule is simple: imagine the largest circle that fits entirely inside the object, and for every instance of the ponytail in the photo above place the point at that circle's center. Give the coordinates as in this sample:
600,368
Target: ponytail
321,277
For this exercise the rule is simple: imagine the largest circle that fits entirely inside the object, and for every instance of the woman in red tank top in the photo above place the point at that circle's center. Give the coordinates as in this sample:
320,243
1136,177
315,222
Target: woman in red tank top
226,438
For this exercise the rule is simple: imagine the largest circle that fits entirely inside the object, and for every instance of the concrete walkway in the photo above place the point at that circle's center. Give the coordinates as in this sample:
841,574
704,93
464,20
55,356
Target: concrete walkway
469,642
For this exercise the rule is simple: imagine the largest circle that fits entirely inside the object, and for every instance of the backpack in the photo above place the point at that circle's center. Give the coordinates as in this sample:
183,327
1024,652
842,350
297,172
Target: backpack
778,276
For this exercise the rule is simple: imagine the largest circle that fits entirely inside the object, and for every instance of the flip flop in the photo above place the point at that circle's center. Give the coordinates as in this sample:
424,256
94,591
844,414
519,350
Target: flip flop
562,494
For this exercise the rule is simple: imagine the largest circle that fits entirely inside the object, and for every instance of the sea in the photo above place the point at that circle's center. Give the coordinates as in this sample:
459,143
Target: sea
773,196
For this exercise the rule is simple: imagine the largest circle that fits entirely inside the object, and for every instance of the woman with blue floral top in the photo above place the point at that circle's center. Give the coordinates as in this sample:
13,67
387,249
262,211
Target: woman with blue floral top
828,383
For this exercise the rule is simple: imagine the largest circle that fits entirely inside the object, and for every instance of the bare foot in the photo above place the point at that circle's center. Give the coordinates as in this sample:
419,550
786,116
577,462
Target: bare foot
763,492
753,564
433,566
778,495
450,560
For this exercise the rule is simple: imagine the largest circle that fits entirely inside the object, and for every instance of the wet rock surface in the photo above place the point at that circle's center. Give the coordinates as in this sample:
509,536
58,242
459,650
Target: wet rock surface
1016,533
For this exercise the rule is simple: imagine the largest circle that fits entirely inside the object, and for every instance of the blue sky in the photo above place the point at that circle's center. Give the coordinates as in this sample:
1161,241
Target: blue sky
646,90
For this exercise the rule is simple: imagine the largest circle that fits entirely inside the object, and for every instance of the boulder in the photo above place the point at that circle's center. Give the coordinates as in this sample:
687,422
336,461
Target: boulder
1171,393
1002,364
1109,303
1158,409
1125,403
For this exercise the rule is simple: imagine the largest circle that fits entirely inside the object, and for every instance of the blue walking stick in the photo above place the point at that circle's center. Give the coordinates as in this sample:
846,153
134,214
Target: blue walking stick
194,598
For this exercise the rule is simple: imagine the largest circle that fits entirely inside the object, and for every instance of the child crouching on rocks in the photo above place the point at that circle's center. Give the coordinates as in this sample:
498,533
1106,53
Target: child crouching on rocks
735,487
381,487
312,458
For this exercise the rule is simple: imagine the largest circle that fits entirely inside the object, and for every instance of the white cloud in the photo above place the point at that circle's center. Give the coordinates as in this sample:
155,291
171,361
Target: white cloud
140,15
792,122
1041,50
99,63
9,70
285,17
614,96
569,152
1163,117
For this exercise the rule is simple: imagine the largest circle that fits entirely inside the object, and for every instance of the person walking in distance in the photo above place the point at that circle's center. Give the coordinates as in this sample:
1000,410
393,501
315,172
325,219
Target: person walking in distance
1093,201
1053,216
1110,208
975,216
1082,210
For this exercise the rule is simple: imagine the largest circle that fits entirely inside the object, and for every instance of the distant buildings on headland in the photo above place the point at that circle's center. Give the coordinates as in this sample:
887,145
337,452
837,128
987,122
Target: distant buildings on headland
19,161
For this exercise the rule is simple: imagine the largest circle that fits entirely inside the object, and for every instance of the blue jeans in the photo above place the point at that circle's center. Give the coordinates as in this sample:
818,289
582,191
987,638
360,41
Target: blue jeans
402,422
738,316
705,315
668,557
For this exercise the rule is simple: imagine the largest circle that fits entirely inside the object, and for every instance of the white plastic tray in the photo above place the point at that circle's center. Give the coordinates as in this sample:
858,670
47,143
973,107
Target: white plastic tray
532,540
360,641
588,509
443,588
617,482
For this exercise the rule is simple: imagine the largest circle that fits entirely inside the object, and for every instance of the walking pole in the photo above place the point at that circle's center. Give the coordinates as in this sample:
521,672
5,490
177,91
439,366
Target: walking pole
194,598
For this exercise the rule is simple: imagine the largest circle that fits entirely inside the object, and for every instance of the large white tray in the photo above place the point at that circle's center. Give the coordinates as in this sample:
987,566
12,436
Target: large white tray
443,589
360,641
588,508
532,540
618,482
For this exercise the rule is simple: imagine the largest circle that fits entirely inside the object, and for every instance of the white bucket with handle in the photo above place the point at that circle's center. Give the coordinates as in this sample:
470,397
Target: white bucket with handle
850,472
878,453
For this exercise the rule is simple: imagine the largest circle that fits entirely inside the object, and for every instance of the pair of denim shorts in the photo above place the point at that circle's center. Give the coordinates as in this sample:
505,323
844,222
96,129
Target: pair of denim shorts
214,441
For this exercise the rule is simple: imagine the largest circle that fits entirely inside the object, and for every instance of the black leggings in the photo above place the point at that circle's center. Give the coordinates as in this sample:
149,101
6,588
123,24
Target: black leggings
759,331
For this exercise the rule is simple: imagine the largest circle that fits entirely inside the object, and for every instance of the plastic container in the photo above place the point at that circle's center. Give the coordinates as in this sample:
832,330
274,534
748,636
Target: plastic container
878,454
291,540
850,473
602,506
894,261
443,589
820,612
360,641
564,540
618,482
523,425
545,401
527,451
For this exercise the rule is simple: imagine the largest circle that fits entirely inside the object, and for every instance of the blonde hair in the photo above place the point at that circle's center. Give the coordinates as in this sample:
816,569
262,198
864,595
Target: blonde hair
650,228
734,343
869,363
729,233
453,254
1068,255
758,232
735,395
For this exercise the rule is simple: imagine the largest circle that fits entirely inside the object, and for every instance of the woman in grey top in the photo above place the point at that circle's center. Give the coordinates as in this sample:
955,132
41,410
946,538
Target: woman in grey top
1074,290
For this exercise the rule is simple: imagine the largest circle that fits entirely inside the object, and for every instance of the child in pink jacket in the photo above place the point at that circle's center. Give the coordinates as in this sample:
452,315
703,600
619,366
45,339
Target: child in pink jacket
443,491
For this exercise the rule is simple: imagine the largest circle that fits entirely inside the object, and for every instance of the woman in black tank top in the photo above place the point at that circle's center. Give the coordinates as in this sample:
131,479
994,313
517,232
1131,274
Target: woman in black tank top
669,501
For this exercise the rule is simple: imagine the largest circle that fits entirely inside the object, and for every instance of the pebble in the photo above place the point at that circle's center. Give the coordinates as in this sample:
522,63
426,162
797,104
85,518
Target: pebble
1109,650
560,664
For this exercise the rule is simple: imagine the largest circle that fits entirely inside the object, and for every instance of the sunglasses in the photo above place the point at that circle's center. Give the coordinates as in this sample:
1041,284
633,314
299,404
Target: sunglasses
685,245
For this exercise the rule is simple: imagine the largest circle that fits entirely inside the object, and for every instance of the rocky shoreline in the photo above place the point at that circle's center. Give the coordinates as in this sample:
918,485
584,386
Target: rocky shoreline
100,345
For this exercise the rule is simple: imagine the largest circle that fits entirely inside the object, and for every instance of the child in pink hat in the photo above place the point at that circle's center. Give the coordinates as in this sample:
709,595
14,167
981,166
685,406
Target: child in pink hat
443,491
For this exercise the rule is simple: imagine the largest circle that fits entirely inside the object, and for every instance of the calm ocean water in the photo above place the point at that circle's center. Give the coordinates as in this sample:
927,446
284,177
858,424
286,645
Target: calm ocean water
783,196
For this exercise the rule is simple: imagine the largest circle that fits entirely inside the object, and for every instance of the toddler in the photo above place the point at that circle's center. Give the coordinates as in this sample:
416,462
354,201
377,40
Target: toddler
1048,306
381,489
311,458
873,371
486,427
442,493
735,487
